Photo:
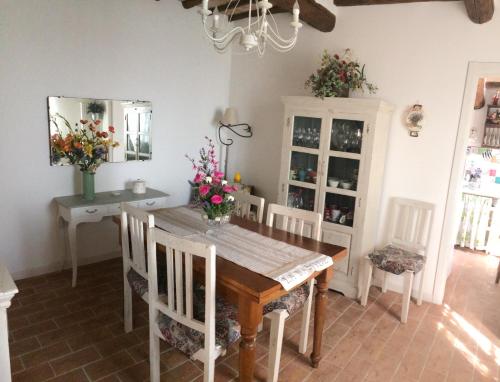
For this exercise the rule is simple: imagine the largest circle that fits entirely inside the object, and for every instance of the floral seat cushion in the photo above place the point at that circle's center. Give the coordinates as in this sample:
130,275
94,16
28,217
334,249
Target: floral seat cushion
396,260
189,341
140,285
291,302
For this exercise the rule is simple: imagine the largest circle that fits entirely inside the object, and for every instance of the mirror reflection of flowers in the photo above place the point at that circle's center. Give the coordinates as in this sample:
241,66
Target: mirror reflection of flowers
213,193
85,144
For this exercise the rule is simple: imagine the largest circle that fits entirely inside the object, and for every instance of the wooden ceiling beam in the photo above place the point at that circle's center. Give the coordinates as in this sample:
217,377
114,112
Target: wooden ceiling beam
350,3
480,11
311,12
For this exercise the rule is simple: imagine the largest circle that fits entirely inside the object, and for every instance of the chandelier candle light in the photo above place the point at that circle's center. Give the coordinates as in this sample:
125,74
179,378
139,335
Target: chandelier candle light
256,35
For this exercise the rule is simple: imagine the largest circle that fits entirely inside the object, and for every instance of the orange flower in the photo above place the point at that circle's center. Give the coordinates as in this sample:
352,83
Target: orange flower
111,129
77,145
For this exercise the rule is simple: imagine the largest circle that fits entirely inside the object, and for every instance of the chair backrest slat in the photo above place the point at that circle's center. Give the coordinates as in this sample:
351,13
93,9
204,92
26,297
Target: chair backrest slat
180,253
294,220
410,224
133,222
243,206
179,284
188,258
170,278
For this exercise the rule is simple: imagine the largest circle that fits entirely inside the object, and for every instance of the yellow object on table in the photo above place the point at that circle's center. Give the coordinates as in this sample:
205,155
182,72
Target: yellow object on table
237,177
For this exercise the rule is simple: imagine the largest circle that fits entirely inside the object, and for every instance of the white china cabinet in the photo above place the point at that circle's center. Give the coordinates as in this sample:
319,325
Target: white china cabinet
333,159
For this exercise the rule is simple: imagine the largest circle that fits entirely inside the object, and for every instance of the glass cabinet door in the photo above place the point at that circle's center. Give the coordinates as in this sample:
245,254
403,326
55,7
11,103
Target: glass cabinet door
342,162
303,167
301,197
301,187
306,132
342,173
346,135
339,209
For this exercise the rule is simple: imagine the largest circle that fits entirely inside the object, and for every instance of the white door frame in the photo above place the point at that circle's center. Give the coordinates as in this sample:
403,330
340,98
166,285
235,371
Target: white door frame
475,71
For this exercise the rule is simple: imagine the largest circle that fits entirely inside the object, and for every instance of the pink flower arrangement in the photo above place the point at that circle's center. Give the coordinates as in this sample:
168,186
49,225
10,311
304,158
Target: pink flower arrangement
214,194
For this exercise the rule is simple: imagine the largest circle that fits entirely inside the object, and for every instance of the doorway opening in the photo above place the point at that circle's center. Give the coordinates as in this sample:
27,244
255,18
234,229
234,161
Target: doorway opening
472,215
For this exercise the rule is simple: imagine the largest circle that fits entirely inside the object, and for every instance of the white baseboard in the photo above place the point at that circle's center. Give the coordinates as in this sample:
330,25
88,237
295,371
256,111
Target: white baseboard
56,266
343,286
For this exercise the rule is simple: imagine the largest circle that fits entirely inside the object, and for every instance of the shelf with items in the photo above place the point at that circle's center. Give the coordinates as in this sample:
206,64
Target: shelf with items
342,173
339,209
346,135
491,137
493,115
301,197
303,167
306,132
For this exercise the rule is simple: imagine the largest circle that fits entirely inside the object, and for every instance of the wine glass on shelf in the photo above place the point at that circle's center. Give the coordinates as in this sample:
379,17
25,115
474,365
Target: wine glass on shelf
300,136
308,137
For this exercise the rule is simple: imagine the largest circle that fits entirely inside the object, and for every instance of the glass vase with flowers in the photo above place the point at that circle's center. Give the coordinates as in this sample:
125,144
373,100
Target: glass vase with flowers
213,194
85,145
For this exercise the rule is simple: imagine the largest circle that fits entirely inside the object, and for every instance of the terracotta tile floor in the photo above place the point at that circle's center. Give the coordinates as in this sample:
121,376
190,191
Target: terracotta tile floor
62,334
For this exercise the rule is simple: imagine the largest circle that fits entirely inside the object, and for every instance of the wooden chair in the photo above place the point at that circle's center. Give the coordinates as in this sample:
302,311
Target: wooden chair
188,316
408,236
243,206
303,223
135,273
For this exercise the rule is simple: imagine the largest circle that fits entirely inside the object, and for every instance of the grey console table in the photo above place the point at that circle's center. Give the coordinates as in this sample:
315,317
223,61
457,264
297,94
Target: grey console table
73,210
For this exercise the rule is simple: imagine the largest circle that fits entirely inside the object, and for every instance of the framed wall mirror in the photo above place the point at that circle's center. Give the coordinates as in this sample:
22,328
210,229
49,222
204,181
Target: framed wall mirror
130,121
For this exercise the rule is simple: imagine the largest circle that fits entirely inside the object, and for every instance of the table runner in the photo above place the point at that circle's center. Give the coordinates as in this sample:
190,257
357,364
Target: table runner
287,264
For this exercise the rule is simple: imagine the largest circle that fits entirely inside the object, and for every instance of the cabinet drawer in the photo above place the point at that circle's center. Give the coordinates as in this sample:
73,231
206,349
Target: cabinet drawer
115,209
152,204
89,212
343,240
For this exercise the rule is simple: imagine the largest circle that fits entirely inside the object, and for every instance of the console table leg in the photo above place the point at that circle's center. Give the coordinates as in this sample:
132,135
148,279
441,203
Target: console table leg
72,249
4,344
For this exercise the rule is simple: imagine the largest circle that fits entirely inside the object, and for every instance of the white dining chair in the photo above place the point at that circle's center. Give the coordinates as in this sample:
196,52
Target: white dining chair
303,223
243,203
136,225
188,316
408,234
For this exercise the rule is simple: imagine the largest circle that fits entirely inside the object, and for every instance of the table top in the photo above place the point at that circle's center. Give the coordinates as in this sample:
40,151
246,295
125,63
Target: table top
108,197
261,288
7,286
255,286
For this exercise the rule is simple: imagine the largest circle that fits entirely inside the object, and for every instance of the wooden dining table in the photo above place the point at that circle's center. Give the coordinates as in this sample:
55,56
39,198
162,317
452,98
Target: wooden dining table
250,291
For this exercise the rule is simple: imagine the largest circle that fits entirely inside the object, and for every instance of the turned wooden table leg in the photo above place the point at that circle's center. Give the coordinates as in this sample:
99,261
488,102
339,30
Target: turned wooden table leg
319,313
250,315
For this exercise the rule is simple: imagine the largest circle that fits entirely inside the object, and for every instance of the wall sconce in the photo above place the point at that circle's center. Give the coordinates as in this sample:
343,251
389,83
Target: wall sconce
230,122
414,119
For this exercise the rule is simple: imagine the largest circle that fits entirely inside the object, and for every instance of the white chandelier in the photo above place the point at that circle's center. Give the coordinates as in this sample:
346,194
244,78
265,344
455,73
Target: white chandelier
258,32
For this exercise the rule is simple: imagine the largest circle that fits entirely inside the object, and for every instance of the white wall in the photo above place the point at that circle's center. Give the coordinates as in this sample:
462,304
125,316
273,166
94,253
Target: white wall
122,49
413,52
